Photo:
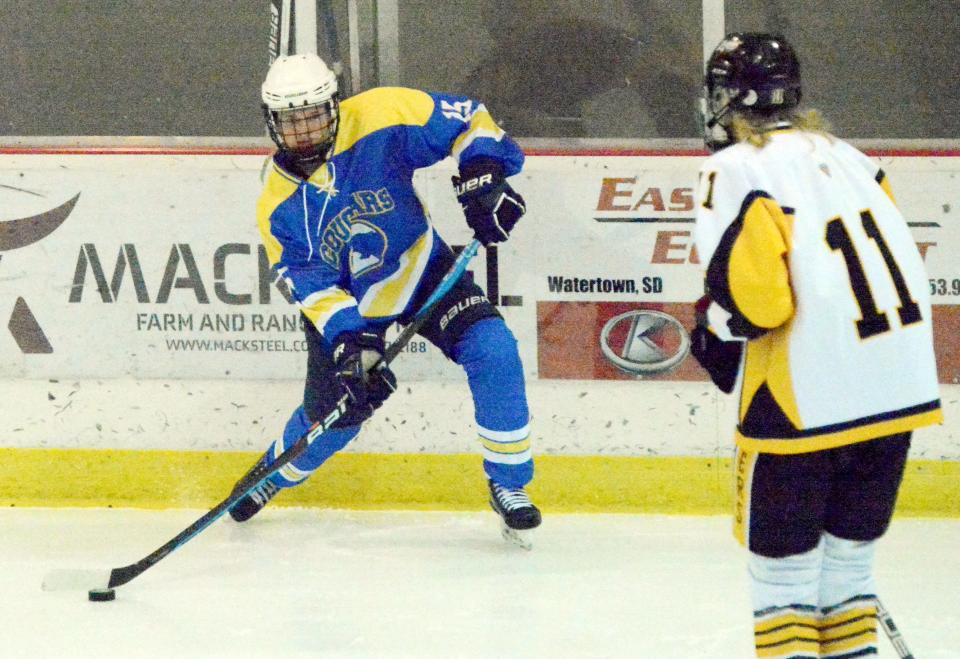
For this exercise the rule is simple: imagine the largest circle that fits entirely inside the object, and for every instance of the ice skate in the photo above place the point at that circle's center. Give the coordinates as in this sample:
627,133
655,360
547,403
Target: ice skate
517,513
255,499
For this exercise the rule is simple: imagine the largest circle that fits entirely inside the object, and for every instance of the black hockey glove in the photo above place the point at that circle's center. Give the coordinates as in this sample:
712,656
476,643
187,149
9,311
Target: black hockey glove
354,354
719,358
491,206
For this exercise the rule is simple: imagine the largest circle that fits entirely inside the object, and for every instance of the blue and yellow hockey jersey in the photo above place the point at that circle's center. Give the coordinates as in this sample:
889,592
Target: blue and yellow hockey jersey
354,241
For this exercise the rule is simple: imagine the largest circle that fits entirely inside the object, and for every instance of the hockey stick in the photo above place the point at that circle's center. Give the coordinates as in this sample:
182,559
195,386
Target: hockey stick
886,621
106,579
279,42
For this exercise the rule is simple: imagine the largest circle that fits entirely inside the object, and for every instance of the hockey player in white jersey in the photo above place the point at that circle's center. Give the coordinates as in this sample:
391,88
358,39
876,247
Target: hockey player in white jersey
817,305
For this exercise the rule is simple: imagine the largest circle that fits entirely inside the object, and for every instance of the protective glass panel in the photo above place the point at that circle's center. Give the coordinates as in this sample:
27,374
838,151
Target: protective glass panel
882,69
545,68
561,68
165,67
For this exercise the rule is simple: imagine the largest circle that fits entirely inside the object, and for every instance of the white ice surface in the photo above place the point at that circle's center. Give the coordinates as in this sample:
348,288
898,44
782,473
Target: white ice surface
308,583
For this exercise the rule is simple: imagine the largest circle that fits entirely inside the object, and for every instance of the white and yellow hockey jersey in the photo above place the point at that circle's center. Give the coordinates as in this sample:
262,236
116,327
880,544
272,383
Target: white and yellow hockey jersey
810,260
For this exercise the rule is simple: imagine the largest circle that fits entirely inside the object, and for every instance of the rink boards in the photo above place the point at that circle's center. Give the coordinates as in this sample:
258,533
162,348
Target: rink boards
147,355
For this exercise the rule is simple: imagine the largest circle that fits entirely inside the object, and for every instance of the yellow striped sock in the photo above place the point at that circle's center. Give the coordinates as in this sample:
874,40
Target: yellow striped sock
849,629
786,631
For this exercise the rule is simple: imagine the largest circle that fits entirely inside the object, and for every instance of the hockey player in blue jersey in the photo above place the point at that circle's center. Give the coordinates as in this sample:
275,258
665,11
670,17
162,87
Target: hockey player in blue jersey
344,227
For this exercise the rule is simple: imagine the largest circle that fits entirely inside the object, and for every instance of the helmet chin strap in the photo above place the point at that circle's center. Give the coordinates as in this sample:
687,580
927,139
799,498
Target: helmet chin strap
309,163
715,118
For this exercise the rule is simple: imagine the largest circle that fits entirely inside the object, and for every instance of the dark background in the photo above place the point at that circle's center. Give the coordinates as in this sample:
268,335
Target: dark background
545,68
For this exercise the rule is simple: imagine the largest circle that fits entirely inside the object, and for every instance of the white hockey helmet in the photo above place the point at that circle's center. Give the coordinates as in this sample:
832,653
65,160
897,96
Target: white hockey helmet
301,105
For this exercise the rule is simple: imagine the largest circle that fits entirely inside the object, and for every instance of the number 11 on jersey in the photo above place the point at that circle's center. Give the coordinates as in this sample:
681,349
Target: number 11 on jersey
872,321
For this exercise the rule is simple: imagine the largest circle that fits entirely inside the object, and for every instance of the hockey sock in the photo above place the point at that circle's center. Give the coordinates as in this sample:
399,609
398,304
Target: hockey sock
848,611
786,632
507,456
785,614
487,351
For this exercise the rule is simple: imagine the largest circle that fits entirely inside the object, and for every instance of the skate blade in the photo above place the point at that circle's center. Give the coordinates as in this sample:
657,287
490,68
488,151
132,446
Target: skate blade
523,539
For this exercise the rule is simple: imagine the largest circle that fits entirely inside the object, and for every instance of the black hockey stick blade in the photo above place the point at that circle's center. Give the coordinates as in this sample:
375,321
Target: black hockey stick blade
103,579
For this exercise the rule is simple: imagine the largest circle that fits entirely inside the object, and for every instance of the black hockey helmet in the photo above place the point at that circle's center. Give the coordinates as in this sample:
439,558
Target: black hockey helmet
749,73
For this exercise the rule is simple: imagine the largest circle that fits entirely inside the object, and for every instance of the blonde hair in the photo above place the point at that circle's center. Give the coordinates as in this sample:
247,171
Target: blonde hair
757,132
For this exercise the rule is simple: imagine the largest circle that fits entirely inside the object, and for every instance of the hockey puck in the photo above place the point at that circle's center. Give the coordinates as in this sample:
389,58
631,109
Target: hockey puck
102,595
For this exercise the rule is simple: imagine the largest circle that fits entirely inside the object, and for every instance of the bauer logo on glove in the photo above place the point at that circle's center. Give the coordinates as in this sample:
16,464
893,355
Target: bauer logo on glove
491,206
462,187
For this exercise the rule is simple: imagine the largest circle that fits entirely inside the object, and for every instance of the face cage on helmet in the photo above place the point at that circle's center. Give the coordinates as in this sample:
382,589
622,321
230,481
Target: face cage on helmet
712,110
307,131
